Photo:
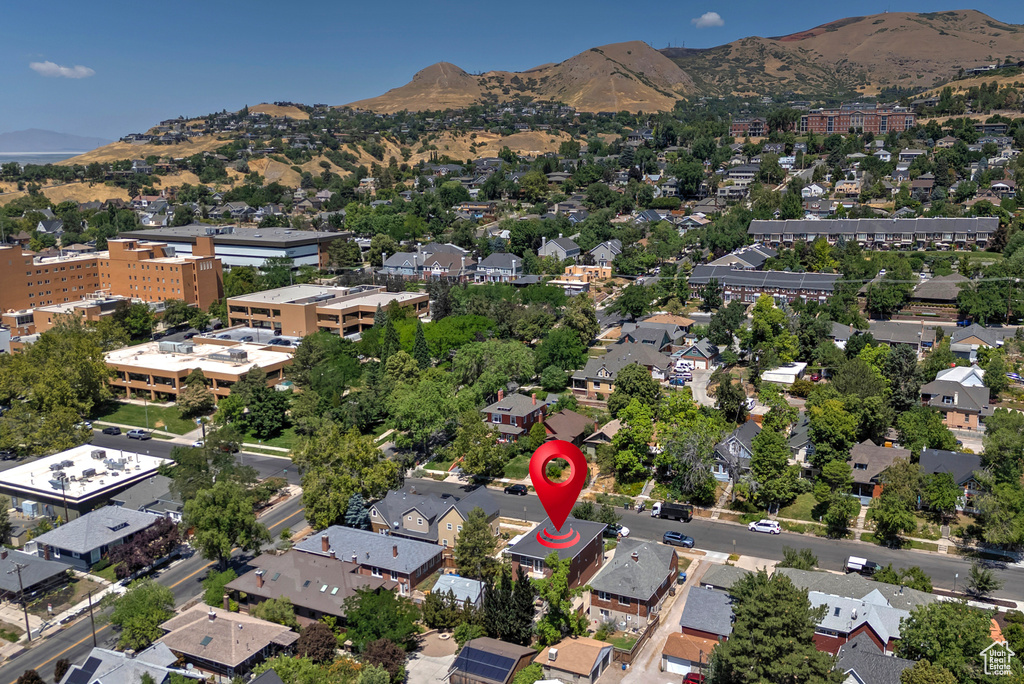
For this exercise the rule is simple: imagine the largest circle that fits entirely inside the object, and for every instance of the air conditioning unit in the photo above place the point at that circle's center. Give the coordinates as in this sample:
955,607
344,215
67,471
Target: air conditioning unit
552,653
99,453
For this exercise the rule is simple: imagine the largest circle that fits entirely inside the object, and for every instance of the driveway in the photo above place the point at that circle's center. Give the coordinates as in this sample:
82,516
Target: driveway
423,669
699,387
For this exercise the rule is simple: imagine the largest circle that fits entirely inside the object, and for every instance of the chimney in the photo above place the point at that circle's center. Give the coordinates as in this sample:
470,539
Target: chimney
394,551
501,395
636,557
3,554
129,653
559,236
46,552
259,578
355,557
534,397
212,615
227,603
331,554
325,544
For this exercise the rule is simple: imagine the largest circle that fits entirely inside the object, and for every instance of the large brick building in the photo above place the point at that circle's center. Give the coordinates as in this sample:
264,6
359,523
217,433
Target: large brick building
863,118
755,128
129,268
875,233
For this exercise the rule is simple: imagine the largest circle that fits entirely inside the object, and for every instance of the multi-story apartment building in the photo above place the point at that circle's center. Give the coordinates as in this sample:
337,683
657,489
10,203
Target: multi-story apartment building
755,128
864,118
747,286
299,310
28,281
911,233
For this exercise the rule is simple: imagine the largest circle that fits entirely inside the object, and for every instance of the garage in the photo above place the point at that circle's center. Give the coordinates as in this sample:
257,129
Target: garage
685,653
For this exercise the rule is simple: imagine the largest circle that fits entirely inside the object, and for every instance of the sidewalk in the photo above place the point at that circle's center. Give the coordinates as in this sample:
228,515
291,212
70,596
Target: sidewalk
191,437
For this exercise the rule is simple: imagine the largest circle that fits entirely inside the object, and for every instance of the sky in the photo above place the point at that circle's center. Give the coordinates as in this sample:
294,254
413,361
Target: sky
111,68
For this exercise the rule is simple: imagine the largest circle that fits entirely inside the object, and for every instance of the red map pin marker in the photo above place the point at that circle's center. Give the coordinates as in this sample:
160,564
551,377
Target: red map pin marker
558,498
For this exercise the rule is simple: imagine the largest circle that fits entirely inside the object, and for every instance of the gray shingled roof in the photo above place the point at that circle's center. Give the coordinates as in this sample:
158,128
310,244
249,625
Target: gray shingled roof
621,355
975,399
515,404
147,494
862,658
845,614
871,226
480,497
34,570
856,586
723,576
707,610
98,528
530,547
464,588
961,466
372,549
874,458
502,260
940,288
727,276
990,336
114,667
638,578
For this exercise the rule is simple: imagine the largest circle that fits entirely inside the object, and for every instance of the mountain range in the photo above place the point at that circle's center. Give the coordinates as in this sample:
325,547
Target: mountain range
845,58
38,140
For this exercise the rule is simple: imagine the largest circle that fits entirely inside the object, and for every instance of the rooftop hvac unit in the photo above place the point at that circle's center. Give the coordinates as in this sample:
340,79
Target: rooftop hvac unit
30,508
57,484
88,472
67,464
171,347
552,653
55,466
99,453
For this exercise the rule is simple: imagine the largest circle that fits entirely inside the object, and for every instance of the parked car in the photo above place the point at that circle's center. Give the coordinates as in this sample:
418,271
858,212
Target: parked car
112,430
7,454
199,444
861,565
245,338
769,526
84,425
517,489
815,377
225,336
275,340
677,539
693,678
677,382
139,434
615,530
189,335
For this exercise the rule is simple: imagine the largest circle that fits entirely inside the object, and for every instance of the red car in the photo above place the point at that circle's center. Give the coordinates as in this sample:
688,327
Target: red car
815,378
693,678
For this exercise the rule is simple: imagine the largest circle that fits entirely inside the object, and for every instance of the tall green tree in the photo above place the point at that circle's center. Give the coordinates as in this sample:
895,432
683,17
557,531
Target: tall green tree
950,635
893,509
711,295
560,620
139,612
522,610
222,518
923,672
769,466
634,301
373,615
773,636
475,547
921,427
420,350
335,464
634,382
581,317
833,430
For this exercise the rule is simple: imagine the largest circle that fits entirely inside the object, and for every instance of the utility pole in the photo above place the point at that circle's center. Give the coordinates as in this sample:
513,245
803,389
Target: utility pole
21,590
91,621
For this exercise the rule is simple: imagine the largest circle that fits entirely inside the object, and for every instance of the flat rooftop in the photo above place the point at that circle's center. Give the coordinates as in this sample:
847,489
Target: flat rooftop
291,294
373,299
259,336
38,478
70,256
149,356
227,235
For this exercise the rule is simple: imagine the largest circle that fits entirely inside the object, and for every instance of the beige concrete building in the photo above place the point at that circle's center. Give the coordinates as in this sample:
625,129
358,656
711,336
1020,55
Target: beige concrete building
299,310
159,369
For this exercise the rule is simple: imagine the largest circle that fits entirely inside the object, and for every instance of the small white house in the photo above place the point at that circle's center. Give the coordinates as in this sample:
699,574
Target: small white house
786,374
812,190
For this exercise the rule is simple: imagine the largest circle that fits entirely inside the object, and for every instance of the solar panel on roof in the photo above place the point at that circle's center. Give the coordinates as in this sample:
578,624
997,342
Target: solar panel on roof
206,641
274,578
79,677
483,664
91,664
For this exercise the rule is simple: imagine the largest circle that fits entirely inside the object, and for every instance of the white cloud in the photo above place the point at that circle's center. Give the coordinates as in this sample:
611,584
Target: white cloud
58,71
708,19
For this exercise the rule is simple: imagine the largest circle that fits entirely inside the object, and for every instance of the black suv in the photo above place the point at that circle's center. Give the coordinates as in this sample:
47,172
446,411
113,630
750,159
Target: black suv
518,489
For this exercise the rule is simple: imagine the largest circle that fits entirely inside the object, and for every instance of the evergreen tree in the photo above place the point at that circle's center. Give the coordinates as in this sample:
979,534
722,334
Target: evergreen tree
498,605
475,547
420,350
356,514
773,636
390,343
380,318
522,610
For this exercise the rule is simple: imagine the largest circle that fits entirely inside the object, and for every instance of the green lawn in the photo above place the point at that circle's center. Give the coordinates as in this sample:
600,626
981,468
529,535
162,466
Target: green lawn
802,508
286,440
160,418
623,641
108,573
518,468
440,463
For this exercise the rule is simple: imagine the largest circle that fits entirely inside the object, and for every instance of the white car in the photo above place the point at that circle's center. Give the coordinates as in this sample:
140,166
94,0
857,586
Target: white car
769,526
198,445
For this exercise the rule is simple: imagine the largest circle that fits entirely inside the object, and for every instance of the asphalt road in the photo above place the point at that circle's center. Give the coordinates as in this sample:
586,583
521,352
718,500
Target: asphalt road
734,538
183,578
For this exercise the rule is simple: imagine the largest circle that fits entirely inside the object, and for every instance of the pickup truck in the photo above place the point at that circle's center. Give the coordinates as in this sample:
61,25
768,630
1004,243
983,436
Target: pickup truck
861,565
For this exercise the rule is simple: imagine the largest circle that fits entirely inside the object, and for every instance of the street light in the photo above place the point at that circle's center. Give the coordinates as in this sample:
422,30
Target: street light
955,576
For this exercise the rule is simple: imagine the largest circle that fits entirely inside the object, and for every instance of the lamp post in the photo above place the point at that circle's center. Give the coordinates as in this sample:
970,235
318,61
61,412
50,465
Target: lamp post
955,577
21,590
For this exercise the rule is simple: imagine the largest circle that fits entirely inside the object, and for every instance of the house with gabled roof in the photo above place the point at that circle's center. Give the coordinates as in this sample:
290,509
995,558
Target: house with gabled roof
867,462
631,587
569,426
428,517
863,662
500,267
405,264
514,414
847,617
701,355
104,666
604,254
963,407
960,466
598,376
735,451
561,248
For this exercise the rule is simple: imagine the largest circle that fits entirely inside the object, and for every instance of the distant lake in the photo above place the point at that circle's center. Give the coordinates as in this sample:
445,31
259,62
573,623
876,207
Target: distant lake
36,157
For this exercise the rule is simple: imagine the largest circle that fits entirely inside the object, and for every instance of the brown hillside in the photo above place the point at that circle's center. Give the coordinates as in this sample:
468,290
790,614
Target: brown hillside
631,76
276,110
121,150
856,54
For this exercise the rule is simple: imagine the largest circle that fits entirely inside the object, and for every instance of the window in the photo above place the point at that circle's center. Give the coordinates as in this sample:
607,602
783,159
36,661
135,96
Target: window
603,595
444,542
373,512
449,526
623,600
323,589
947,400
459,528
375,572
836,613
419,521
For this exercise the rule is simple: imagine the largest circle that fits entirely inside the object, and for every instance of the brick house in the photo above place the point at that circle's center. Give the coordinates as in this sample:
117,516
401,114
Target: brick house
634,583
569,426
868,461
962,407
404,561
707,614
848,617
587,554
701,355
513,415
430,518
